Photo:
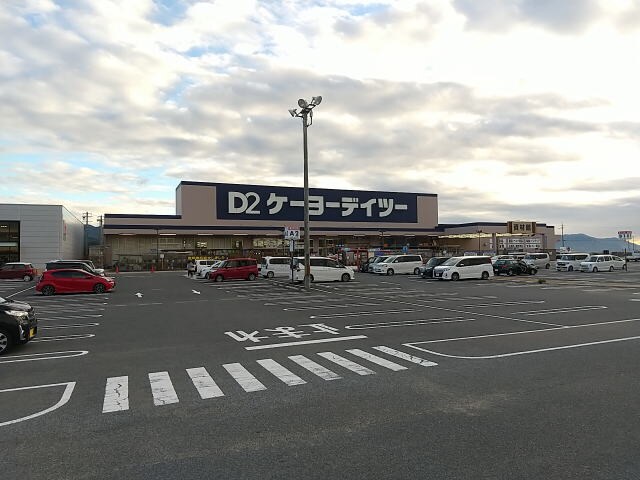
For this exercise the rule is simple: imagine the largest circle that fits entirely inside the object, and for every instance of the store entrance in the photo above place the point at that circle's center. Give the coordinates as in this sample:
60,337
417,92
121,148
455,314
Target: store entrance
9,241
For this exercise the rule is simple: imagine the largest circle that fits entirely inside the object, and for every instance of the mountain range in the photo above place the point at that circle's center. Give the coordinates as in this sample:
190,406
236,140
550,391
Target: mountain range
579,242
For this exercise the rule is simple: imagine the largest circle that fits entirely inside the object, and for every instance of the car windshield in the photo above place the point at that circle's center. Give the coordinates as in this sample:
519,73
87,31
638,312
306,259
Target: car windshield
451,261
380,259
433,262
592,259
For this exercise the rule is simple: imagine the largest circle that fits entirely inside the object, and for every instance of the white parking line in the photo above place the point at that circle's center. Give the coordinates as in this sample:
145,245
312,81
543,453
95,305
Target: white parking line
406,356
305,342
551,311
365,313
116,395
206,386
280,372
26,289
324,307
315,368
408,323
248,382
162,389
377,360
63,337
66,395
348,364
73,325
32,357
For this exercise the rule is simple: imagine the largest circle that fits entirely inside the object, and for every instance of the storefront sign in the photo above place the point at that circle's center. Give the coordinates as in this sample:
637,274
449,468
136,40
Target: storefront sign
254,202
520,227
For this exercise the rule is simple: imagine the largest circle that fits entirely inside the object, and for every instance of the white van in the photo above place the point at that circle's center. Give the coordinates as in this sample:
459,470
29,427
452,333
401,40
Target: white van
603,263
568,262
275,267
200,264
538,260
399,264
323,269
464,267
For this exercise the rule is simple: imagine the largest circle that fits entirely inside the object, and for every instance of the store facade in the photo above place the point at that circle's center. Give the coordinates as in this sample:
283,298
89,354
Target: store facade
218,220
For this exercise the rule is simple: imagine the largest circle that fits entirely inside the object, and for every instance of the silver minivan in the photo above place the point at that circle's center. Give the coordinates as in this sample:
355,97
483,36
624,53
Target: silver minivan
568,262
538,260
275,267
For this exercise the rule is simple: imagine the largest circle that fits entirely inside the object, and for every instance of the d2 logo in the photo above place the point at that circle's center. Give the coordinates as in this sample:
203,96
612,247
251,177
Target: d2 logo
244,203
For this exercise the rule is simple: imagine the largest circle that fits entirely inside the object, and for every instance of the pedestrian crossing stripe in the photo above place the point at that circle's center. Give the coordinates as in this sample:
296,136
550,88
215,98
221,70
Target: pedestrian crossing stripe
116,396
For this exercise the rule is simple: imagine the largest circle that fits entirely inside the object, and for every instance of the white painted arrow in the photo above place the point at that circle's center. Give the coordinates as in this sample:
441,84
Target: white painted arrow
196,292
139,295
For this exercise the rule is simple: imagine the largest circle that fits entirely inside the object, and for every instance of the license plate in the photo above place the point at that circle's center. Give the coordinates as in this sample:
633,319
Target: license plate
32,332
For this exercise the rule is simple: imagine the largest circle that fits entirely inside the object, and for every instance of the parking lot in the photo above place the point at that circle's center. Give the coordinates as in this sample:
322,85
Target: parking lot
507,378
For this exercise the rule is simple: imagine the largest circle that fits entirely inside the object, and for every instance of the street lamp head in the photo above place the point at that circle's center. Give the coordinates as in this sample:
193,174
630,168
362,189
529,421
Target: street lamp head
302,103
293,112
316,100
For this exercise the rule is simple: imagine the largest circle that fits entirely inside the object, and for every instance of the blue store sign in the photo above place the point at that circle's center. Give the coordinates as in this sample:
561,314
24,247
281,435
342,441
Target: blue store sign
257,202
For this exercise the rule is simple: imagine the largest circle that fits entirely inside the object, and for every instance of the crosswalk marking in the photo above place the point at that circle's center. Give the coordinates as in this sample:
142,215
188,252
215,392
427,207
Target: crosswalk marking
162,389
314,367
348,364
284,374
203,382
405,356
116,394
377,360
241,375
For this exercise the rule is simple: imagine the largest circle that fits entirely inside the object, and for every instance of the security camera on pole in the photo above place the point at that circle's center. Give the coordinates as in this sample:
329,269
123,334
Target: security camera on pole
306,114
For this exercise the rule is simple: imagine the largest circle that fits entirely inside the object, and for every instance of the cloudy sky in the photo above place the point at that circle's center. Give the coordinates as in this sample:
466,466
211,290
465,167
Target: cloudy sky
507,109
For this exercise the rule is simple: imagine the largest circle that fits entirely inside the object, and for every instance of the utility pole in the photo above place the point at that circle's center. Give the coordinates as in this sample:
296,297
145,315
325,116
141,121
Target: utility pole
86,216
562,233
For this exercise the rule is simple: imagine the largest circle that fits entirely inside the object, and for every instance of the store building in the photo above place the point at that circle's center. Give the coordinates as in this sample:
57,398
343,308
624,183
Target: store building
39,233
218,220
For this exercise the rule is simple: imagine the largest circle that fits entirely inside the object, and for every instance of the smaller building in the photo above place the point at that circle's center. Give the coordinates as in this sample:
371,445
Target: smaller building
39,233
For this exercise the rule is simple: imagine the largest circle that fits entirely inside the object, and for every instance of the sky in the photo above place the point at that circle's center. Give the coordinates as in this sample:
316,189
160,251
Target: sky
507,109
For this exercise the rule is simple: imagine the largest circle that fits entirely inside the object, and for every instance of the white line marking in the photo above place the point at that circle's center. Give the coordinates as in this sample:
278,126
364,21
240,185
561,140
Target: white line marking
61,338
282,373
68,317
66,395
162,389
241,375
14,294
203,382
503,304
116,394
406,356
362,314
314,367
408,323
306,342
324,307
377,360
348,364
32,357
563,310
74,325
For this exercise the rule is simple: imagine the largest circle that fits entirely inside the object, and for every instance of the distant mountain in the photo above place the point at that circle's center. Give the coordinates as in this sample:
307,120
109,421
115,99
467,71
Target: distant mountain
579,242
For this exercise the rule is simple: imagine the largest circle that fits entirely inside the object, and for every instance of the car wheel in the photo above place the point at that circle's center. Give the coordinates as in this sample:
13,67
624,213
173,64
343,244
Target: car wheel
345,277
311,278
27,278
509,272
533,271
251,277
611,269
416,271
595,269
485,276
99,288
5,341
547,266
269,274
455,277
206,275
219,278
48,290
570,269
390,272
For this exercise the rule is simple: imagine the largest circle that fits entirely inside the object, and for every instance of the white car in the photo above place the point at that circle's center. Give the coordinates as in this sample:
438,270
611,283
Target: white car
399,264
570,261
323,269
205,269
602,263
457,268
275,267
538,260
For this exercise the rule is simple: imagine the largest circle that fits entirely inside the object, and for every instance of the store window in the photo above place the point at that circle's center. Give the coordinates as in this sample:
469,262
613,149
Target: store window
9,241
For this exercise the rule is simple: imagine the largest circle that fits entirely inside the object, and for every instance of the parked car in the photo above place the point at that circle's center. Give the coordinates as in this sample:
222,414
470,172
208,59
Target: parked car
235,269
399,264
204,271
570,261
18,270
72,280
275,267
18,324
323,269
202,264
73,264
99,271
538,260
513,267
433,262
601,263
495,258
373,260
464,267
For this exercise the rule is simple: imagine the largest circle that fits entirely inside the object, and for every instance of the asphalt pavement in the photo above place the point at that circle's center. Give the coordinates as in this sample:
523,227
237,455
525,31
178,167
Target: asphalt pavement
396,377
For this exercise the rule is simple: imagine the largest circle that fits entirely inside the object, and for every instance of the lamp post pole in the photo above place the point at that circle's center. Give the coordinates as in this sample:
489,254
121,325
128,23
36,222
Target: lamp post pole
306,114
479,232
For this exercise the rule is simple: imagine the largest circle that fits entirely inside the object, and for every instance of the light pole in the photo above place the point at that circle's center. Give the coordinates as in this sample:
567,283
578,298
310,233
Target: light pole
479,232
306,114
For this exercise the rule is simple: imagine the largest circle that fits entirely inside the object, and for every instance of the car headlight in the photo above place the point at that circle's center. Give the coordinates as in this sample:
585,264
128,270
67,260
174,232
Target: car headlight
21,316
446,269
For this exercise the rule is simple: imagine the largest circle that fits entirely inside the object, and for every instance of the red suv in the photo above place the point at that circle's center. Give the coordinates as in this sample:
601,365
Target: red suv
235,268
20,270
73,281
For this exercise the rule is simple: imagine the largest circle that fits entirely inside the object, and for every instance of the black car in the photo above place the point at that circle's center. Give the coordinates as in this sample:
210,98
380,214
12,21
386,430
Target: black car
18,323
65,264
513,267
427,270
368,265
